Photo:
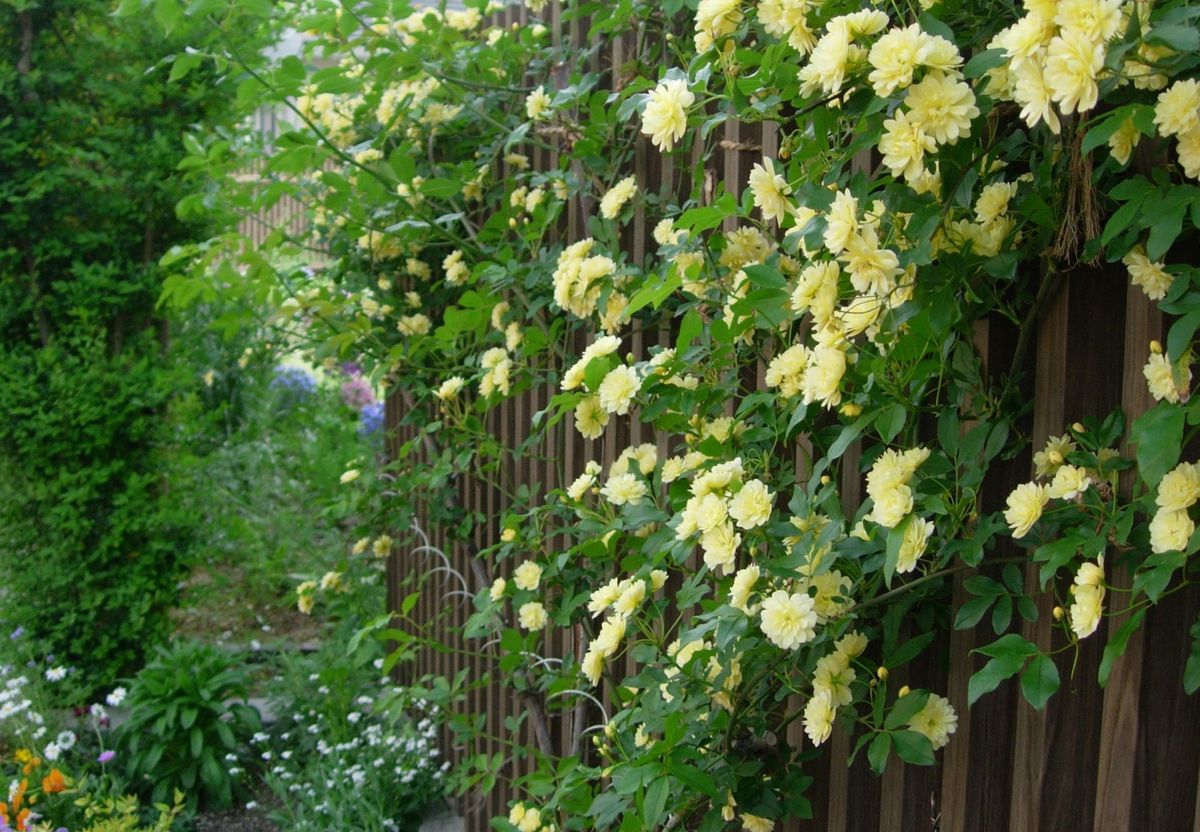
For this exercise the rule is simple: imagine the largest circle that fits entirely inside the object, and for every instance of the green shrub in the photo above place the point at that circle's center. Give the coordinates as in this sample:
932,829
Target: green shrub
186,726
88,525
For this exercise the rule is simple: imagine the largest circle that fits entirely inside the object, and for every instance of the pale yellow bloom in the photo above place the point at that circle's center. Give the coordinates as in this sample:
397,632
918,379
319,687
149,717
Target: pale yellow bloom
1073,63
1069,482
1170,531
664,118
916,536
788,620
818,719
770,191
936,721
743,585
497,590
537,103
532,616
1025,506
616,197
942,106
624,488
751,506
1180,488
1178,108
1167,382
903,146
1124,140
618,388
527,576
590,417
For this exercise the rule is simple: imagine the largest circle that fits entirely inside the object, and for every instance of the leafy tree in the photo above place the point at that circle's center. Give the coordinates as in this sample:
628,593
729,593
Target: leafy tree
92,541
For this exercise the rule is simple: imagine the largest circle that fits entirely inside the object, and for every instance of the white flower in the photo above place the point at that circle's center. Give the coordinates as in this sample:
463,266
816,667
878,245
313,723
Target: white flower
116,697
56,674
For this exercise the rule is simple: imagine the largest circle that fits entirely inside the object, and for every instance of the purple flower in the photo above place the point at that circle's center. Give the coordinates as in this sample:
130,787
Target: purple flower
17,633
371,417
357,393
106,756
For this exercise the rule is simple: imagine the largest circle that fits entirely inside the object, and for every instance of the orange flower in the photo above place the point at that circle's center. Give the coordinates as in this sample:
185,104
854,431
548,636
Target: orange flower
33,763
54,782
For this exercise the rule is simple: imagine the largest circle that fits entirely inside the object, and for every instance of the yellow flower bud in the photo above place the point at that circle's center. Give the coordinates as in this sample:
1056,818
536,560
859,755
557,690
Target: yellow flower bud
1078,427
1059,612
904,691
825,479
851,409
882,672
1055,457
508,535
1156,348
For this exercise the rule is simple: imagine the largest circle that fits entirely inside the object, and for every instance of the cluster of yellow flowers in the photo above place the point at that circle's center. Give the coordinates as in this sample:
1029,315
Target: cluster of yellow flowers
1167,381
1067,482
528,819
720,500
621,599
1088,593
1172,526
831,686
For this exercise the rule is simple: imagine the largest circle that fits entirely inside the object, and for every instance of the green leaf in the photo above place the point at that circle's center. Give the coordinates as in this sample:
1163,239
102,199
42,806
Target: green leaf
905,708
1158,434
973,611
1191,671
694,778
894,542
656,800
913,747
1039,680
909,650
1117,644
877,753
1010,645
1165,230
196,738
989,677
184,64
891,421
689,328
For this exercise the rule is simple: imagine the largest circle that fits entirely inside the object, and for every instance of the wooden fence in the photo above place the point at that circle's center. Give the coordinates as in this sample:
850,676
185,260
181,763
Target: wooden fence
1123,758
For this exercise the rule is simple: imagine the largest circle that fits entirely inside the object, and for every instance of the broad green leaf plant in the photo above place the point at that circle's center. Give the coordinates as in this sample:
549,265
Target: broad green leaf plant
940,165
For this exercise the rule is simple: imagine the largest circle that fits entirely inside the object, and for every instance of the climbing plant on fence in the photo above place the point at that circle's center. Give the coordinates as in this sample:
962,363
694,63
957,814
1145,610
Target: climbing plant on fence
937,167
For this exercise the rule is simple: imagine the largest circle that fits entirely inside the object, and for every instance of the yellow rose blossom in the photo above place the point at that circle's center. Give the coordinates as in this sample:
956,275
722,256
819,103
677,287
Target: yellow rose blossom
618,388
1069,482
912,546
527,576
942,106
1122,142
903,146
1180,488
497,589
719,545
1025,506
537,103
818,719
590,417
1189,152
1151,276
936,721
1170,531
1178,108
788,19
616,197
788,619
751,506
1073,63
623,489
664,118
770,191
1167,382
532,616
1034,95
826,366
743,585
754,823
